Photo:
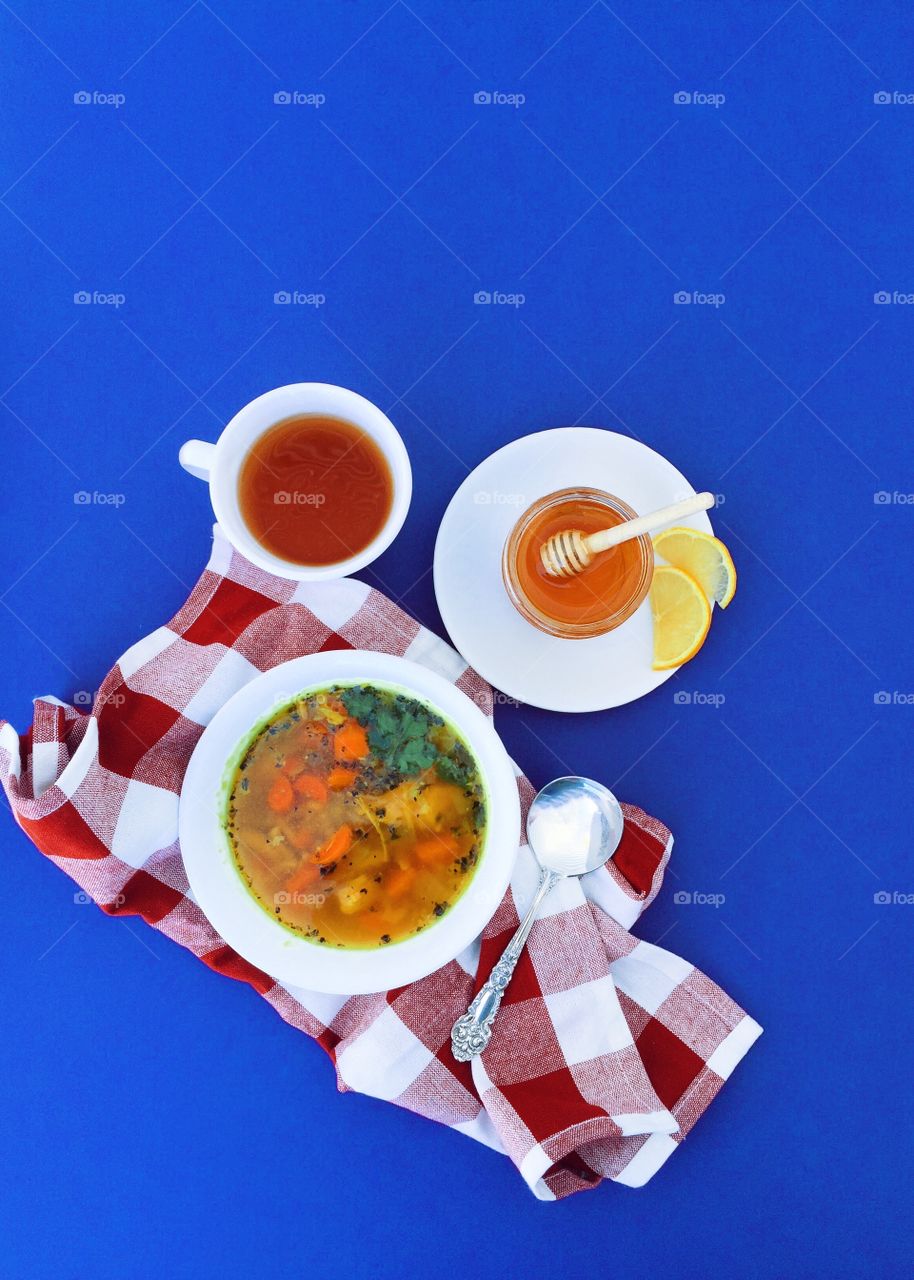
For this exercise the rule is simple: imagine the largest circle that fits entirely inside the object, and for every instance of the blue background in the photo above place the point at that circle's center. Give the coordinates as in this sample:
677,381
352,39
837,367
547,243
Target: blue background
159,1118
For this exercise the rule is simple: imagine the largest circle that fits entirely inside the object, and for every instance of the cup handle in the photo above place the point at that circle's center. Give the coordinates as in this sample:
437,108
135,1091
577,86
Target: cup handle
196,457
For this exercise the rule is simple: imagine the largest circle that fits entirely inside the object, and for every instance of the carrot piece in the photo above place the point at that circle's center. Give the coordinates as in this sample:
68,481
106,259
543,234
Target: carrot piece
281,795
303,877
399,881
336,846
293,765
338,779
350,742
311,786
436,849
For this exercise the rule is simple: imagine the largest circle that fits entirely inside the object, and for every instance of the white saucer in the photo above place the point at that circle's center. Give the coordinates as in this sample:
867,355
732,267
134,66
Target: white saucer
524,663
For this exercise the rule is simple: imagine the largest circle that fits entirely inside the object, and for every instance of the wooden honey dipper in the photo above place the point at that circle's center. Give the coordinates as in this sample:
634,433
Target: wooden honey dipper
570,552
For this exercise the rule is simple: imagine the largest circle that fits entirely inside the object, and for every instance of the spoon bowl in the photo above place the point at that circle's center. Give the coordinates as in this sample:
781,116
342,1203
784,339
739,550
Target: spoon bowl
574,826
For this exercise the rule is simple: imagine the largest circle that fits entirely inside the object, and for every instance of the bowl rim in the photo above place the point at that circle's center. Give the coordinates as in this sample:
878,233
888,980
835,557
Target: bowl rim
217,885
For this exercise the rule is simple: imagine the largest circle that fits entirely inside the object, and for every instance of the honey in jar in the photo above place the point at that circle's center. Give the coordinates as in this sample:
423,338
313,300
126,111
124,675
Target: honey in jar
593,602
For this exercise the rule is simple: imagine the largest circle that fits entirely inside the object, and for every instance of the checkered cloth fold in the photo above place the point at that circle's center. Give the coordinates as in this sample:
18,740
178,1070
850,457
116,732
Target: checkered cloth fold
606,1050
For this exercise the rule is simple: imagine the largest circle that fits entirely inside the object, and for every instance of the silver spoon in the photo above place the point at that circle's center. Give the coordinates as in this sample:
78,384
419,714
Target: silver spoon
574,826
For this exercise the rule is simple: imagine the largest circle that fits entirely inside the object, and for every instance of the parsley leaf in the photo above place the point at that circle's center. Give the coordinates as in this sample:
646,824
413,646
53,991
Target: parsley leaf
397,728
457,766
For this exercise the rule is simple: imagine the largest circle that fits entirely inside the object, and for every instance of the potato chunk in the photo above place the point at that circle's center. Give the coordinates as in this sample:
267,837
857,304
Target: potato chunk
357,895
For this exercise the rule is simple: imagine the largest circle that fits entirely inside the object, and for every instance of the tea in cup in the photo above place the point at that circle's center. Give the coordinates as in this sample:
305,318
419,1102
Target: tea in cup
309,481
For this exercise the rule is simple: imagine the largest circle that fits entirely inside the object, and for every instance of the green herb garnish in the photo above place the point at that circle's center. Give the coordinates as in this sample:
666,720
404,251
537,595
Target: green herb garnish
398,729
457,766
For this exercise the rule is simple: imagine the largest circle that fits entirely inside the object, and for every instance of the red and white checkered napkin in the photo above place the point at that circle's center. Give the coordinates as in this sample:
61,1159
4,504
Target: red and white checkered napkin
606,1050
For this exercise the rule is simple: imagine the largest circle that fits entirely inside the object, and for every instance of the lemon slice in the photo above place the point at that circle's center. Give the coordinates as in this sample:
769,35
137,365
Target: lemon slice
704,557
681,614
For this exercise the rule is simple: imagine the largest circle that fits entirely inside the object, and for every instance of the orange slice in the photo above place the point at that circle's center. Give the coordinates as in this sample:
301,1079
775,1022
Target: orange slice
704,557
681,614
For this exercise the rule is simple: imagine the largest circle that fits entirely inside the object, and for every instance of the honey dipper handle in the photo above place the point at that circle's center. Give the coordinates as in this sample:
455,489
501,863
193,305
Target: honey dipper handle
607,538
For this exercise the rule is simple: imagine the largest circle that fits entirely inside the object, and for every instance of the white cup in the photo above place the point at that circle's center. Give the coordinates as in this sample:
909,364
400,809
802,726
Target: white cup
220,463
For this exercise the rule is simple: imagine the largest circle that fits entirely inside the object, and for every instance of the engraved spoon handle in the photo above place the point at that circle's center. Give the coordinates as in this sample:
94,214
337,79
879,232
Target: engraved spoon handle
472,1032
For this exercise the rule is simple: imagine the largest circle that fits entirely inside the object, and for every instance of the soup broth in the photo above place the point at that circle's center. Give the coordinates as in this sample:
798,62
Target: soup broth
356,816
